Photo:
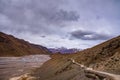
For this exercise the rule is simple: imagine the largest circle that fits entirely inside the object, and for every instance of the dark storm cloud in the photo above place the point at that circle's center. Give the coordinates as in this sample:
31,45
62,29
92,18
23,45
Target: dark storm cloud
36,16
89,35
66,16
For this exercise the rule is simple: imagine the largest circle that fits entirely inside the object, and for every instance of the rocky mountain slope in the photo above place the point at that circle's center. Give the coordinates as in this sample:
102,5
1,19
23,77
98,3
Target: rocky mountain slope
65,69
11,46
103,57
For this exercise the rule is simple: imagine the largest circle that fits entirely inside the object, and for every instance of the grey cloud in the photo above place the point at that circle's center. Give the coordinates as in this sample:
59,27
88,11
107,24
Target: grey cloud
43,36
45,18
89,35
66,16
35,16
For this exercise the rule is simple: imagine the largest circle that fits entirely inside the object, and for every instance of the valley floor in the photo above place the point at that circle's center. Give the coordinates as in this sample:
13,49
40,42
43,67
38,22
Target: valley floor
16,66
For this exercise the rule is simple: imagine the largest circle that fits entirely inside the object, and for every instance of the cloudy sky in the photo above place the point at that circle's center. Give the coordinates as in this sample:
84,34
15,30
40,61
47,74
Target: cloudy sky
61,23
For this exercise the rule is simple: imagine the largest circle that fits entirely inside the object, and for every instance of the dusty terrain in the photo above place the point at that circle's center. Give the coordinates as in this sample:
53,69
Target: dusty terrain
16,66
70,70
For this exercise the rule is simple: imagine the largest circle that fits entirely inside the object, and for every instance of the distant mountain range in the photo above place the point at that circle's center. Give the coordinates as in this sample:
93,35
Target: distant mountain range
11,46
64,50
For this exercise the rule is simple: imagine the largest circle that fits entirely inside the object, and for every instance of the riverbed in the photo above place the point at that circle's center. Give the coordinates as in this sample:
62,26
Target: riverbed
15,66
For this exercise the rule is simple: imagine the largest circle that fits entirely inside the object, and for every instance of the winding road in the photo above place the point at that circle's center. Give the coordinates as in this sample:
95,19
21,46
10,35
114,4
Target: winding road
113,76
99,73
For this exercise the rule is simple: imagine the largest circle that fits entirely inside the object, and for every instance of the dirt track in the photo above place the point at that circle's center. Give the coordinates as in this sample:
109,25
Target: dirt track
113,76
99,73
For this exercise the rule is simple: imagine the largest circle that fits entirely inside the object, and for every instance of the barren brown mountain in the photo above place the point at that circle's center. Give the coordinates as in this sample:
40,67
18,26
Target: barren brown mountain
11,46
103,57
